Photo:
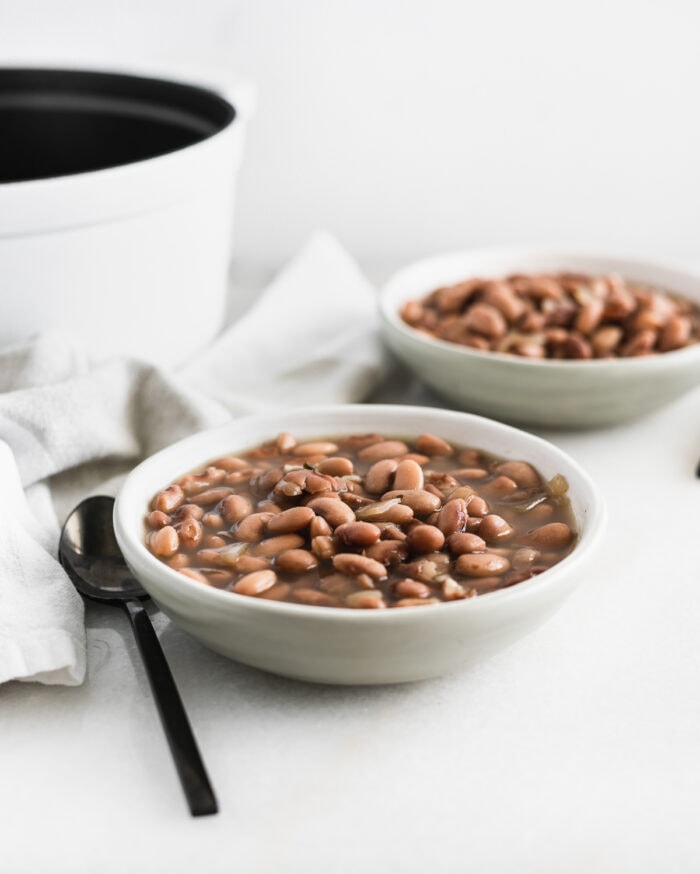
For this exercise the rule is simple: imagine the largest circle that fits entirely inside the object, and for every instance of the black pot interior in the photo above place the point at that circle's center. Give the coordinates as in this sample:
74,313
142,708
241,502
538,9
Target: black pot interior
61,122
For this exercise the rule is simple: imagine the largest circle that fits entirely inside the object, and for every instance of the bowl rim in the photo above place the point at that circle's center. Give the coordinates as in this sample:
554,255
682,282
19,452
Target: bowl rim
393,293
133,494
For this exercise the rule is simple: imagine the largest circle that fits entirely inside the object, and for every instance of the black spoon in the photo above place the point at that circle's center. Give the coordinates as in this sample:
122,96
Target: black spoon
89,552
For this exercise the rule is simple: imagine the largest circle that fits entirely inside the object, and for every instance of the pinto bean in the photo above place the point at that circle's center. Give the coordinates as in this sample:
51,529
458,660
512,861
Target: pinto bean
164,542
481,564
388,552
553,535
317,447
368,599
452,517
425,538
349,563
275,545
380,475
255,583
336,466
169,499
408,475
463,542
234,508
358,534
333,511
252,528
420,501
296,561
385,449
291,520
494,527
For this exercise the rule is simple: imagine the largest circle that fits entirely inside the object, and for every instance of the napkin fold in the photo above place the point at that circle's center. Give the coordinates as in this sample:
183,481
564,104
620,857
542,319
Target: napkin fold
69,426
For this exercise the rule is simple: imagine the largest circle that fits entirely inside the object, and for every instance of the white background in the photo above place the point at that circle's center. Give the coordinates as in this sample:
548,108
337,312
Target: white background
410,127
406,128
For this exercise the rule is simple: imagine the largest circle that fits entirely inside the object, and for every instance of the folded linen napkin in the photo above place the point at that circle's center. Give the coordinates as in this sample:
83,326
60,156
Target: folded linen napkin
67,425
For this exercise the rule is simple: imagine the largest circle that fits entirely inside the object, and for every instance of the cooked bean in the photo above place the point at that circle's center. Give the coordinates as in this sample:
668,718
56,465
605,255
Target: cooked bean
464,542
324,547
452,590
278,592
313,597
189,532
494,527
385,449
412,589
452,517
235,507
213,520
415,602
211,496
285,442
371,599
272,546
194,575
169,499
189,510
336,465
318,527
521,472
296,561
482,564
320,482
252,528
420,501
213,541
477,506
432,445
525,557
333,511
380,475
388,552
425,538
245,564
358,534
408,475
349,563
291,520
255,583
318,447
164,542
553,535
218,578
158,519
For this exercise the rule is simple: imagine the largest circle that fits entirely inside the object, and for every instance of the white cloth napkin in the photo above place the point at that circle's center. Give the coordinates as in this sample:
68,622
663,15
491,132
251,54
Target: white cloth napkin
68,425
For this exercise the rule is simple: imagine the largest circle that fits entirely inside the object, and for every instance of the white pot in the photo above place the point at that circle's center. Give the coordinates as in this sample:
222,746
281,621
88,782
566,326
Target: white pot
125,242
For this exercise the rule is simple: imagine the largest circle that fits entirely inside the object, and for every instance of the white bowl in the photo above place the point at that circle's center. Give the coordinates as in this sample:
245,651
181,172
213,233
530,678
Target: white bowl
538,392
340,645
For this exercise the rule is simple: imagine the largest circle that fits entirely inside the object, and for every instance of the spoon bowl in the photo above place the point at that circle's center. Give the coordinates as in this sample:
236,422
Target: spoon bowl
90,555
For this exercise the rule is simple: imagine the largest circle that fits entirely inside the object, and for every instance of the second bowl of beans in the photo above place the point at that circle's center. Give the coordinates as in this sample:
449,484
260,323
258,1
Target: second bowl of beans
359,544
550,339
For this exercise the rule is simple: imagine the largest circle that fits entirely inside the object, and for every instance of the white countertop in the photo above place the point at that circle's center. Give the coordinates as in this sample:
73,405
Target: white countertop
575,751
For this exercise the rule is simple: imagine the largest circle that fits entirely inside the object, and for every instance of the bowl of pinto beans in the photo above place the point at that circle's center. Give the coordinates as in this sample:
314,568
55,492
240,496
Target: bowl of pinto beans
547,339
359,544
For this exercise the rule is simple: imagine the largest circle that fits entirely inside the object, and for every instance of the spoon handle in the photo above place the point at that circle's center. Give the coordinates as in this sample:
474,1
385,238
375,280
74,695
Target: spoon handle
188,761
